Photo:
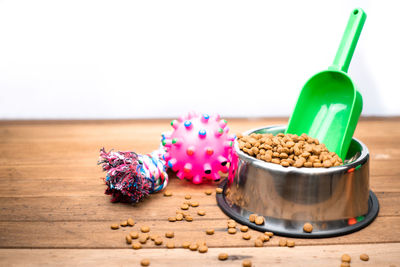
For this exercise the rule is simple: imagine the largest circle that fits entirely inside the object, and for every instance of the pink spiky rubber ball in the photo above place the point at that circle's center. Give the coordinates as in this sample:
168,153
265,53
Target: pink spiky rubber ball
199,147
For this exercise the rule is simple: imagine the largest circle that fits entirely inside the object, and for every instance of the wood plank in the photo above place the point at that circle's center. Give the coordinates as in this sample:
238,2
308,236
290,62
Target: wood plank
96,234
311,256
156,207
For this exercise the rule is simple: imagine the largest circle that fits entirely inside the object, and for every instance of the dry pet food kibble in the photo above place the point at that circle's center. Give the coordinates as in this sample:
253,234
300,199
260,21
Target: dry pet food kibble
201,212
188,196
193,247
232,231
194,204
203,249
307,227
131,222
289,150
167,193
364,257
210,231
173,219
290,243
179,217
145,262
244,228
189,218
258,243
246,263
282,242
170,244
136,245
185,206
223,256
208,192
114,226
169,234
158,241
252,217
218,190
134,235
246,236
345,264
145,229
124,223
270,234
346,258
128,239
259,220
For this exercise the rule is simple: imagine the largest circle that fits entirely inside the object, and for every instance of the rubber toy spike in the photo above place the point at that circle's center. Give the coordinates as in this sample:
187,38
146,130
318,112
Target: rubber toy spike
199,147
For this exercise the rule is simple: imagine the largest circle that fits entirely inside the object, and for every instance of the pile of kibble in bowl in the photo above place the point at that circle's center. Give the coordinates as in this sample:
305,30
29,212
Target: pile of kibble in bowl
288,150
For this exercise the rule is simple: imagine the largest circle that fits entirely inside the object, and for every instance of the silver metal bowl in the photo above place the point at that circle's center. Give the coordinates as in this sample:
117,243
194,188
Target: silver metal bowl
333,199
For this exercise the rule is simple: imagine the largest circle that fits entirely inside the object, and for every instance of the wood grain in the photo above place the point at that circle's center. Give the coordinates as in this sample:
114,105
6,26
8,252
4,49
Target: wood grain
310,256
53,209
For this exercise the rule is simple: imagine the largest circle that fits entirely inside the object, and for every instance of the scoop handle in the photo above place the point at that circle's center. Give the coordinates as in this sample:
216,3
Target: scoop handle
349,40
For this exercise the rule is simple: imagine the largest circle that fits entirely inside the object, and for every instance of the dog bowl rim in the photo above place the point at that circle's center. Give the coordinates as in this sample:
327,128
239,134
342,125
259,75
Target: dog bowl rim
360,160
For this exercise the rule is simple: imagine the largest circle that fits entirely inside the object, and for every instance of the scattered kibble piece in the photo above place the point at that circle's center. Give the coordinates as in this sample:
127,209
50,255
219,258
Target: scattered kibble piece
142,239
185,206
145,262
252,217
203,249
158,241
167,193
114,226
290,243
134,235
172,219
266,238
201,212
219,190
210,231
170,244
189,218
282,242
179,217
232,231
270,234
259,220
346,258
246,263
124,223
136,245
244,228
128,239
263,238
193,247
258,243
131,222
364,257
345,264
153,237
194,204
188,196
145,229
223,256
231,224
307,227
289,150
208,192
186,244
169,234
246,236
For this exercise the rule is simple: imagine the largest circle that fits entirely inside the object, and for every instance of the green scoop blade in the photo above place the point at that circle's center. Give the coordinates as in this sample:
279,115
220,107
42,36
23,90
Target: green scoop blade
329,104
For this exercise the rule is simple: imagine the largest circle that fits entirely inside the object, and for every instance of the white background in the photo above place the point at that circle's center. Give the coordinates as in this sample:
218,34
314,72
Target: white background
139,59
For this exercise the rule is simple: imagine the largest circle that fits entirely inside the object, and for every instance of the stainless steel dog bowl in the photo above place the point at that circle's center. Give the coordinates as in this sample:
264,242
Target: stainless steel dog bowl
334,200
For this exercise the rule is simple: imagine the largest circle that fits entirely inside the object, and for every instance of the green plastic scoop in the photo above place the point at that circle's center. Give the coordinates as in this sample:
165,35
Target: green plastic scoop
329,104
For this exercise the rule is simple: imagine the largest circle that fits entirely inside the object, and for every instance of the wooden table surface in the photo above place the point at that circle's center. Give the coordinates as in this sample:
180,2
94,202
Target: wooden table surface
53,210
